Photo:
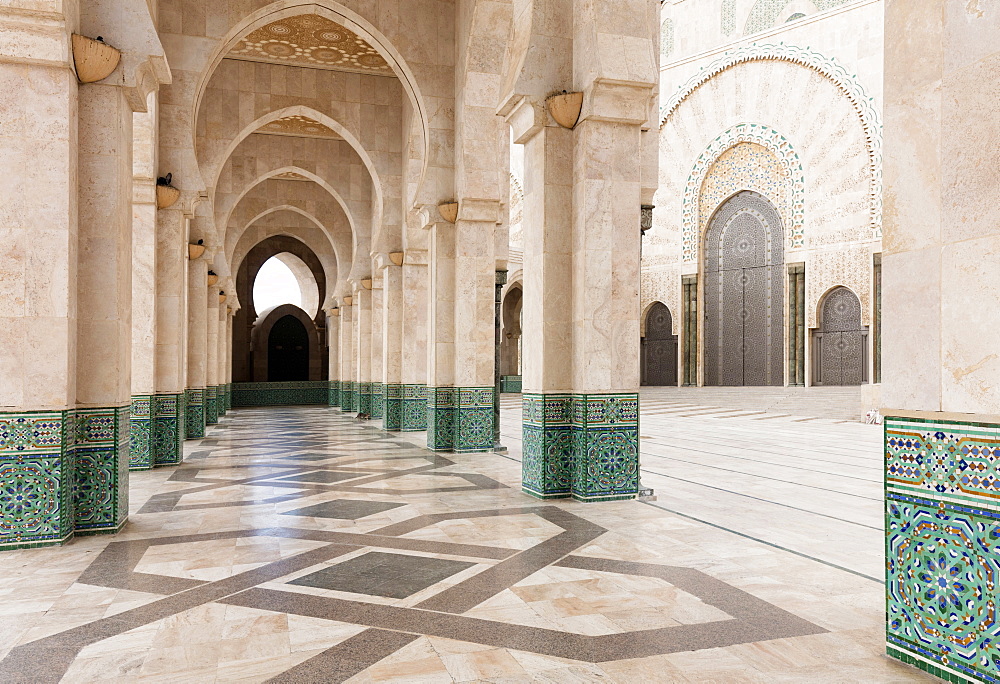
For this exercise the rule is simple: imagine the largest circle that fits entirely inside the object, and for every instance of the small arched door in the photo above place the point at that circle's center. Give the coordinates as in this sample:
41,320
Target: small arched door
288,351
659,348
840,345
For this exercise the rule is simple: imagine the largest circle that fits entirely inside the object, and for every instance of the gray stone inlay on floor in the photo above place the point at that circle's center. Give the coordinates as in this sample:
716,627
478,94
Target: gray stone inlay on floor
392,575
323,476
345,509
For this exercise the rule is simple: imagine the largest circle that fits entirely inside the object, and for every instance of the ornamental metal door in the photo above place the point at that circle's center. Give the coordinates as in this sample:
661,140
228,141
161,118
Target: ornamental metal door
659,348
840,346
744,294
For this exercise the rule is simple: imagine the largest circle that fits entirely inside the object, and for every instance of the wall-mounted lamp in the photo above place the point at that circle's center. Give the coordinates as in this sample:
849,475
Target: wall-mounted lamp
222,297
196,250
348,301
366,283
94,59
166,194
449,211
212,278
396,258
565,108
334,312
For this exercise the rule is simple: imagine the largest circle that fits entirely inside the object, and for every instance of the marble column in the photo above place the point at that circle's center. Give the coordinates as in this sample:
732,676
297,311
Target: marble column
547,308
104,305
392,346
197,347
220,374
414,350
941,370
441,394
333,349
212,356
473,321
171,336
348,388
376,341
362,332
142,450
227,371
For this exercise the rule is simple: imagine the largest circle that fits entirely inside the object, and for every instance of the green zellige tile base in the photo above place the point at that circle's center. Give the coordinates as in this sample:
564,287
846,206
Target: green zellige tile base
581,445
141,427
378,400
194,420
348,396
292,393
392,407
333,394
364,397
168,429
942,527
211,405
101,458
414,417
460,419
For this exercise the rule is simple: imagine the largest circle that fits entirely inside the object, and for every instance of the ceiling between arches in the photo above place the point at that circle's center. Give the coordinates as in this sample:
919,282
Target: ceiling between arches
308,40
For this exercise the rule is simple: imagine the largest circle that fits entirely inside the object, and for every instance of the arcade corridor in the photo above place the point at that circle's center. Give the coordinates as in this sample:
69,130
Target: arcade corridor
446,572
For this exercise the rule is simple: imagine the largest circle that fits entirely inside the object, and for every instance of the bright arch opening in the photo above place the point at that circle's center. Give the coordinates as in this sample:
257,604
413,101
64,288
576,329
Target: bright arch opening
286,279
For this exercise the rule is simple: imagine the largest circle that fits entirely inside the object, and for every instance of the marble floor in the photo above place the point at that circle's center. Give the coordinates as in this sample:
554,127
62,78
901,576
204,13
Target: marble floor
296,545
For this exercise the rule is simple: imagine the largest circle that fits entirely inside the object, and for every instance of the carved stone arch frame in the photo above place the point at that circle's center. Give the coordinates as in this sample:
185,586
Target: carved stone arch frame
261,333
862,103
793,217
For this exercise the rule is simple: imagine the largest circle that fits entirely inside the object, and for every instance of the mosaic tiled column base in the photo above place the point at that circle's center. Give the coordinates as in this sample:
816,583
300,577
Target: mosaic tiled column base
348,396
392,407
364,397
510,384
378,400
942,527
168,429
101,459
229,396
220,400
414,417
211,407
460,419
333,394
141,452
585,446
36,478
194,419
441,403
291,393
547,447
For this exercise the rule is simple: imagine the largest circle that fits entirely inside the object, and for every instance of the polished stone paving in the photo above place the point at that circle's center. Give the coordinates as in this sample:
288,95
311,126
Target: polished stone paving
273,554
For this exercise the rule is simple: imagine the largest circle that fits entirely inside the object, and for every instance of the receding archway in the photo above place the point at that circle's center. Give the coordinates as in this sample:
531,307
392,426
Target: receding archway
285,346
510,340
744,294
659,348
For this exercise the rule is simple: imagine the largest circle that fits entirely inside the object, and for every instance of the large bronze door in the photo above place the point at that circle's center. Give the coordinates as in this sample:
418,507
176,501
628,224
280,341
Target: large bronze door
840,345
744,294
659,348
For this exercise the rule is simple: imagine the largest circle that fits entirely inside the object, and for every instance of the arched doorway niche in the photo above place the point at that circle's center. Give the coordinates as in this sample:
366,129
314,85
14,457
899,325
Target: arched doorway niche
245,361
659,347
744,294
840,344
304,290
510,339
285,346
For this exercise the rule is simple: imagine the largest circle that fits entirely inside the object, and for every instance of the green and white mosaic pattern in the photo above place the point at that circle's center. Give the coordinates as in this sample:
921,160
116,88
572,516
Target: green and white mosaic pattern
281,393
942,523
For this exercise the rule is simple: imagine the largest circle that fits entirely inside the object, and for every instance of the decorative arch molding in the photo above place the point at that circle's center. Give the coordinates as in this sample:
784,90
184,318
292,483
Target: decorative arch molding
863,104
762,135
339,258
338,13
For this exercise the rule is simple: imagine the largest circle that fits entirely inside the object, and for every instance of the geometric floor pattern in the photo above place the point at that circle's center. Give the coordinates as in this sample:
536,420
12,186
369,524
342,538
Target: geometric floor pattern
296,545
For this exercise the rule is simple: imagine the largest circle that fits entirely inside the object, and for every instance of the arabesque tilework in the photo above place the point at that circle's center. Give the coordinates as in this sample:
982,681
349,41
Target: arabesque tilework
414,408
348,396
141,449
510,384
194,419
378,400
585,446
392,407
305,392
101,457
333,394
474,419
168,429
441,404
211,406
942,525
36,478
364,397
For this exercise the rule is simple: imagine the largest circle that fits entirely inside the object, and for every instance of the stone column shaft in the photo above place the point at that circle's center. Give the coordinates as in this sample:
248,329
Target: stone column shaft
212,356
348,387
414,351
333,349
392,347
197,348
362,324
441,395
376,341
